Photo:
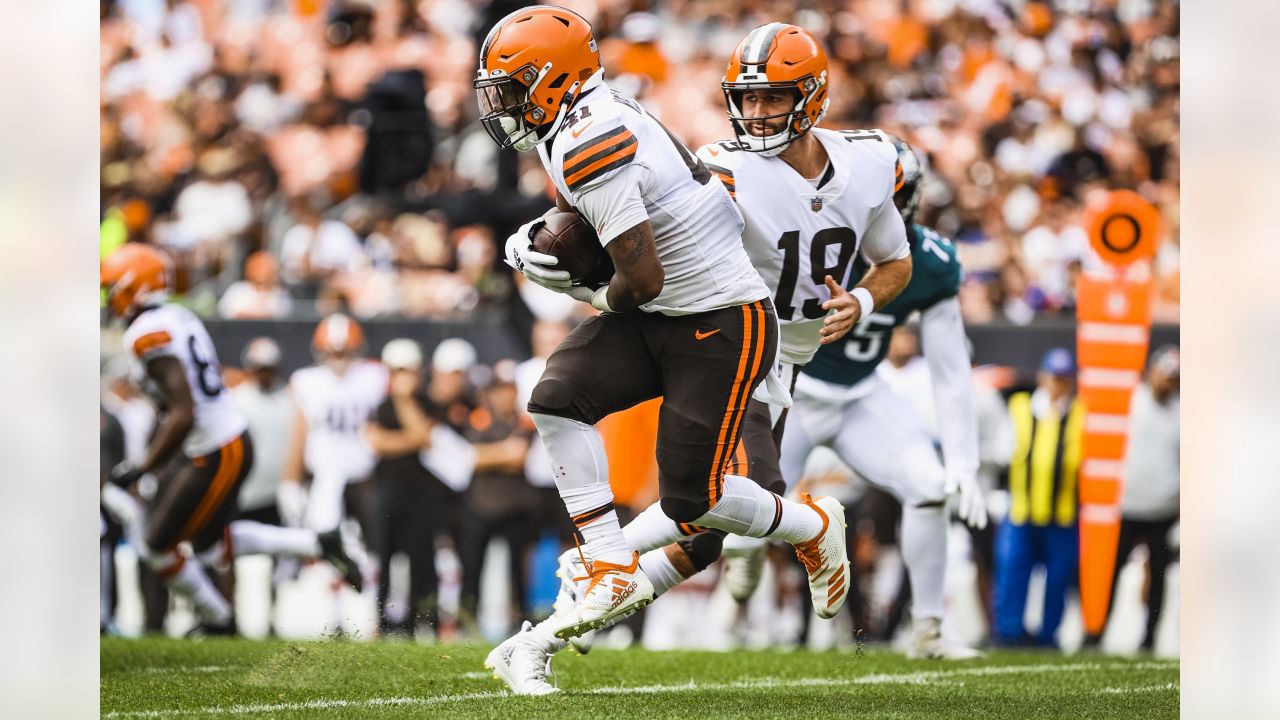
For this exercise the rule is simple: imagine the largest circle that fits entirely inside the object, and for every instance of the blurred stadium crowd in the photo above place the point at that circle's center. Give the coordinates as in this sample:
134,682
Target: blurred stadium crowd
300,157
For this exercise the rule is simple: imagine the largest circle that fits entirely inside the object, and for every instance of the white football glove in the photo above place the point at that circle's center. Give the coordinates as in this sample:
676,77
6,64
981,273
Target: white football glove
291,500
971,506
538,267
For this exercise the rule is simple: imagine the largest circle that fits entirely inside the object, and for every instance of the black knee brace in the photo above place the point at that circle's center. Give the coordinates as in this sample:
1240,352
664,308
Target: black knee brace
702,549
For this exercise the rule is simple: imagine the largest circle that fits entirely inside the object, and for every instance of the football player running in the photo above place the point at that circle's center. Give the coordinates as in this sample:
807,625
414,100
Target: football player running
194,504
685,316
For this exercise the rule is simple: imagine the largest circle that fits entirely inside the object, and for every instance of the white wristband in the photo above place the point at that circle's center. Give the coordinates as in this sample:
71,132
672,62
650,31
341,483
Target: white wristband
866,304
600,300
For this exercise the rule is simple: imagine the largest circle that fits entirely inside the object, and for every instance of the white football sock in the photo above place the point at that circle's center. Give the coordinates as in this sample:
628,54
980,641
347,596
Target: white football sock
186,576
745,508
924,552
651,529
738,545
658,568
544,633
249,537
581,470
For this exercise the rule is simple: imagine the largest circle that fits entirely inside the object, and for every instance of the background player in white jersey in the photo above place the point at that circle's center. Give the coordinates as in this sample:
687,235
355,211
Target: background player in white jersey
195,503
686,316
841,402
332,401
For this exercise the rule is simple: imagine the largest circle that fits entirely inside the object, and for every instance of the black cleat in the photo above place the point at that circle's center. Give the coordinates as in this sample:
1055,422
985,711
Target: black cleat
335,554
204,629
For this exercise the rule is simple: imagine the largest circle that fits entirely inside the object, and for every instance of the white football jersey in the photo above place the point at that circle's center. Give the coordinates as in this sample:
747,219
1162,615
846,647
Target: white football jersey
796,235
607,147
175,331
336,408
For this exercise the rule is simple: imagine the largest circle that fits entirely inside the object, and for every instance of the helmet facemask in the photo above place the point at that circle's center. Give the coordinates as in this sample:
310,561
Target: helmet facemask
797,119
508,114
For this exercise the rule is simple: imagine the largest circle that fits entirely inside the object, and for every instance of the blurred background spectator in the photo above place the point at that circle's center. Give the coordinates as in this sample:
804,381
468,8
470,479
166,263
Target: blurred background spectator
322,132
264,399
408,494
1040,528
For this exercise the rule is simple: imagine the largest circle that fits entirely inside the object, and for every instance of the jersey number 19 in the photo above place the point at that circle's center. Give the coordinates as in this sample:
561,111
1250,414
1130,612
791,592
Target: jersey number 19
847,241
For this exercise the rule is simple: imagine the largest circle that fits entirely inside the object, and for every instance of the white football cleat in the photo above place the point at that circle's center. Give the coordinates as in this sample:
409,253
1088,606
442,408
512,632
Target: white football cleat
927,643
742,571
522,663
573,584
614,592
826,559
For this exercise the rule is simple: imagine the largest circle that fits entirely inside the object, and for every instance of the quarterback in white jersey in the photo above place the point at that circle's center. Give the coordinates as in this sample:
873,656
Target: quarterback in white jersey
809,229
333,399
685,317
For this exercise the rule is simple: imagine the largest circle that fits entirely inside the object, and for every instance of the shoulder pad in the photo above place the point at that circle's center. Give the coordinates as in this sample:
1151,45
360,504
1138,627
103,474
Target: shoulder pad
722,158
148,336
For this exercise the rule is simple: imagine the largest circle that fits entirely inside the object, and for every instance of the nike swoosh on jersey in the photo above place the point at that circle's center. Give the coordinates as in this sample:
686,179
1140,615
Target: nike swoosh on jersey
579,131
699,335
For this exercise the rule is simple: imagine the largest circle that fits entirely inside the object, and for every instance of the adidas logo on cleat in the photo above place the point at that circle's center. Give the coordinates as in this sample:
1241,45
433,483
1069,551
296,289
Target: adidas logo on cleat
622,590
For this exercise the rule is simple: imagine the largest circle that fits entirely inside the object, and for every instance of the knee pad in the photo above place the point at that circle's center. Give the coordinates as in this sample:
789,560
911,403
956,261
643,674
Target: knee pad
926,481
702,549
553,397
684,510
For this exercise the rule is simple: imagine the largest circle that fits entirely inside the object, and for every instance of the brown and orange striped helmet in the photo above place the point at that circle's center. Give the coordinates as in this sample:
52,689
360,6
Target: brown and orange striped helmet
777,56
133,275
338,335
534,63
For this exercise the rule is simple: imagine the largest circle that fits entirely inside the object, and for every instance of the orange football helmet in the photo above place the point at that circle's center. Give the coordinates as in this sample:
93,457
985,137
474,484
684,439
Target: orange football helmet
338,334
778,56
534,63
133,275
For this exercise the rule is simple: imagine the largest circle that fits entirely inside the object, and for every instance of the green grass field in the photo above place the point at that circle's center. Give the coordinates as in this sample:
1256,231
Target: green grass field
160,678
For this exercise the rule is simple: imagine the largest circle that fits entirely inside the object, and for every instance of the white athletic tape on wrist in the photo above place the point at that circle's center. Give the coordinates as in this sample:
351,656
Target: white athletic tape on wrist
866,303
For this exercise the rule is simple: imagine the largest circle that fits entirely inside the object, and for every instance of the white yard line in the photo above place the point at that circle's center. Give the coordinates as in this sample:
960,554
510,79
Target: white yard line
1166,687
915,678
193,670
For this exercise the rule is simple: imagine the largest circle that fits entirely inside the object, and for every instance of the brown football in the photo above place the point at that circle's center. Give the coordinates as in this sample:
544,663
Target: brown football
575,244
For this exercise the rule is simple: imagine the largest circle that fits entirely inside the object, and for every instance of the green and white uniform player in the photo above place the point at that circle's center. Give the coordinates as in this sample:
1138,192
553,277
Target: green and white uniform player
842,403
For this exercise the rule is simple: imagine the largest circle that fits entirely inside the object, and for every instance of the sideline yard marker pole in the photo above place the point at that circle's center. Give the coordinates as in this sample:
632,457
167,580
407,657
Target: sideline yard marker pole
1113,329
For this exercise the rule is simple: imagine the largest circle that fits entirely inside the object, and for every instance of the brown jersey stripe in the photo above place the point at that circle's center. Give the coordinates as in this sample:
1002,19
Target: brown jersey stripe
610,162
598,151
719,170
593,145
